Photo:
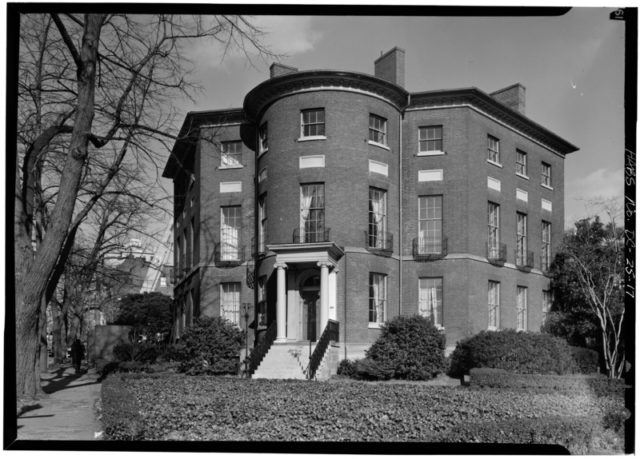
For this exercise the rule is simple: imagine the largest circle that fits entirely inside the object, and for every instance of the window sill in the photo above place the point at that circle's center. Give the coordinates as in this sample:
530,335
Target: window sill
231,167
375,325
546,186
311,138
430,153
376,144
526,177
494,163
492,328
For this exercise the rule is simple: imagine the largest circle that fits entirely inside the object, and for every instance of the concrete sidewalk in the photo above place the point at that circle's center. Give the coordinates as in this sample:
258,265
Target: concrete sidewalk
67,412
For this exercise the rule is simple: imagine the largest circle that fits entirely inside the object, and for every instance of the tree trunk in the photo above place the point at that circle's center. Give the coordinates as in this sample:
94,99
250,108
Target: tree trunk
59,343
44,347
31,284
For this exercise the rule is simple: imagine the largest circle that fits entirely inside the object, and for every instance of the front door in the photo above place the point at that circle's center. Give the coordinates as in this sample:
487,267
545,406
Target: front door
310,301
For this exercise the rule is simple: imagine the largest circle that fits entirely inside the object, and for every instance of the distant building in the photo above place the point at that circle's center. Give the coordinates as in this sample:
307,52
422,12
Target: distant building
341,196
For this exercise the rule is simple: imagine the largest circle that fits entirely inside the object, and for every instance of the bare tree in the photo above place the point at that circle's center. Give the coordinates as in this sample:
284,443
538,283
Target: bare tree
596,252
94,100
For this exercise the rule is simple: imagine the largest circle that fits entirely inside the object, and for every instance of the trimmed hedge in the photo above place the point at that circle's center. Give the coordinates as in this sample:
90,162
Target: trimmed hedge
215,408
576,383
121,418
409,347
575,434
518,352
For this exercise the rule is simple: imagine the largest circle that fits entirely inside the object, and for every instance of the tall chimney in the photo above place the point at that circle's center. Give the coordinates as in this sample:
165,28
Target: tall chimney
277,69
512,96
390,66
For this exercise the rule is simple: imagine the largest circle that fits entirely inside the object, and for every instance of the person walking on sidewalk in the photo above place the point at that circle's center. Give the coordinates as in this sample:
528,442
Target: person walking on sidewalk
77,354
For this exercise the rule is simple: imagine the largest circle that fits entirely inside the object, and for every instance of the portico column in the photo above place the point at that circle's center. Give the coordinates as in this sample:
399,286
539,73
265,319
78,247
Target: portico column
281,304
324,293
333,294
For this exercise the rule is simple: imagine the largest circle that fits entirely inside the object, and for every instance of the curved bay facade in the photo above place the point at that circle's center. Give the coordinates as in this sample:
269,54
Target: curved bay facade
340,198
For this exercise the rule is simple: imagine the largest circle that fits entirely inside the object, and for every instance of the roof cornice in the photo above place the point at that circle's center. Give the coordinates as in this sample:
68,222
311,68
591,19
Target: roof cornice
188,135
487,104
263,95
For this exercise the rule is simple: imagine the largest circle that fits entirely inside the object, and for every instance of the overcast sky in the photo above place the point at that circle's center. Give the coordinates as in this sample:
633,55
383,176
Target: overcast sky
572,67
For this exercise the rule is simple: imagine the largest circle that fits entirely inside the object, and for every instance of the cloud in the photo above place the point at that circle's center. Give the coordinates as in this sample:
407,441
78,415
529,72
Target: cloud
288,35
584,193
282,35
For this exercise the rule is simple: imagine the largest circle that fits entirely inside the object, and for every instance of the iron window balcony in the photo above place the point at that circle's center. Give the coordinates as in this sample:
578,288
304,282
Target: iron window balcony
525,263
427,250
379,243
309,237
229,256
497,254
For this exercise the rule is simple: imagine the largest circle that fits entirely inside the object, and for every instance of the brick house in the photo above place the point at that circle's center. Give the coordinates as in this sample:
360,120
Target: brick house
340,198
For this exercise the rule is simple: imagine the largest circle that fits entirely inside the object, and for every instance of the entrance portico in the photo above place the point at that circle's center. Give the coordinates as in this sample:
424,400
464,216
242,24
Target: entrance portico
298,266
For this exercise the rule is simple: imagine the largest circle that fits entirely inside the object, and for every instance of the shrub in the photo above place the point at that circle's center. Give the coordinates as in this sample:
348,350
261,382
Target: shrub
347,368
372,370
411,346
139,352
211,346
121,417
519,352
587,360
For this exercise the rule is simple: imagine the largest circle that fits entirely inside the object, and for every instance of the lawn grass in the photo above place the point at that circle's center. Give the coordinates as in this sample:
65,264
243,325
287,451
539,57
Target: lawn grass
180,407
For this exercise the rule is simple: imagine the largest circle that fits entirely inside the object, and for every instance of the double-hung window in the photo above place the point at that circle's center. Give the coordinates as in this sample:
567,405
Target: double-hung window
377,218
312,213
430,299
377,129
521,163
430,139
521,305
377,298
263,137
230,301
230,155
546,174
230,224
493,244
312,123
493,149
430,224
546,245
494,305
262,215
521,239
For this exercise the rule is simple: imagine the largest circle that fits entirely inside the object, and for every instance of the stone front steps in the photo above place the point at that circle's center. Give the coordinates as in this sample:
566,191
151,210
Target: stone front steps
289,360
284,361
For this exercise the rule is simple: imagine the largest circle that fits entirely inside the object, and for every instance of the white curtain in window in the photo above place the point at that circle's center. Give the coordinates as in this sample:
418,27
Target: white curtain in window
432,301
306,197
230,236
377,207
376,299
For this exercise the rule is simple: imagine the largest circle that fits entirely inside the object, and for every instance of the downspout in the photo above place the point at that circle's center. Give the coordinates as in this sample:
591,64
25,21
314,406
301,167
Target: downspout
256,283
345,303
400,116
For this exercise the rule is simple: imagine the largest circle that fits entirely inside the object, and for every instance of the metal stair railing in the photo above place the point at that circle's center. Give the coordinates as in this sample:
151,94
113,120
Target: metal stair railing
258,352
331,333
